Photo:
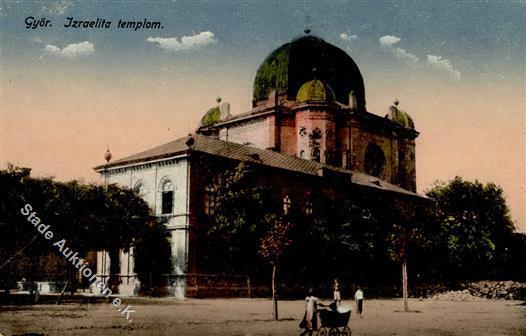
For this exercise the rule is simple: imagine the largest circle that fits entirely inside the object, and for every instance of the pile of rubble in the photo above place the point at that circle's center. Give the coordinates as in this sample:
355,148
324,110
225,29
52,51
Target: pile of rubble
474,291
459,295
509,290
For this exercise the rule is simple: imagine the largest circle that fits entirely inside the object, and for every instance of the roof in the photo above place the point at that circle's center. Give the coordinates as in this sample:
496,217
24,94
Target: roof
234,151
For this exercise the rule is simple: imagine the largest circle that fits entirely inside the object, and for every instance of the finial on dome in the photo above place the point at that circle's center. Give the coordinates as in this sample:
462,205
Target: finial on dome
307,29
314,72
218,100
396,102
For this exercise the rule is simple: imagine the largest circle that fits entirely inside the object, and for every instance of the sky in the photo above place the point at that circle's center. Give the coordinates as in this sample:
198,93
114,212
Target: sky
67,94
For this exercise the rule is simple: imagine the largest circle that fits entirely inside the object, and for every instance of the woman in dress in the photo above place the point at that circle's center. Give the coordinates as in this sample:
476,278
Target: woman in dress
310,320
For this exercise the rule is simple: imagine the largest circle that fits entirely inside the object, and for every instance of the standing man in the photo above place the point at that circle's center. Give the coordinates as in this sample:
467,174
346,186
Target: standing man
358,296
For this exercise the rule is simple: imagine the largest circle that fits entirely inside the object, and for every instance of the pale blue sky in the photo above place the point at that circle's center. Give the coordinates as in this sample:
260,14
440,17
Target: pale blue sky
476,37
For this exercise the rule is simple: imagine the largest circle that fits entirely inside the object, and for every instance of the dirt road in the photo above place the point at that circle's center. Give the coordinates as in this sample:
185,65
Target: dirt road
253,317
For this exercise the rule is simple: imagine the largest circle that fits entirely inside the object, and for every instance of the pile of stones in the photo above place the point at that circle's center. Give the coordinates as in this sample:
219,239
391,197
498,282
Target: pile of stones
494,290
510,290
459,295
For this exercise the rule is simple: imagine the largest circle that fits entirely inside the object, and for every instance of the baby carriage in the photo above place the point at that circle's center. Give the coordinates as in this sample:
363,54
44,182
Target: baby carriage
333,322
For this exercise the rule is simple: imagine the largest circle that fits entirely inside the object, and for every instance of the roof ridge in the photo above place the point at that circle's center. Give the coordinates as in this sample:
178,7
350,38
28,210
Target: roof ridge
235,151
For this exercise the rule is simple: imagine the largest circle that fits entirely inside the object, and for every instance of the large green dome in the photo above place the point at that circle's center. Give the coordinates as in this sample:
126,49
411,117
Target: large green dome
291,65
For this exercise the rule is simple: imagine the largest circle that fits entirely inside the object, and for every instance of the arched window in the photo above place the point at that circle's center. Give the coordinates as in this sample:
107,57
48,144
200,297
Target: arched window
316,154
210,200
167,201
302,154
140,189
374,161
286,205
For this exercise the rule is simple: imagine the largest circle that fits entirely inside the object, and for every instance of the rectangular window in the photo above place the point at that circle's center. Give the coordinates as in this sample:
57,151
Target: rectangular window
210,201
167,202
308,208
286,205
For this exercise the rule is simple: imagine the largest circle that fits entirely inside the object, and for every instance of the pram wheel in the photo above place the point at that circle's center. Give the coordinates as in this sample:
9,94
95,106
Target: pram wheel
334,332
323,332
346,331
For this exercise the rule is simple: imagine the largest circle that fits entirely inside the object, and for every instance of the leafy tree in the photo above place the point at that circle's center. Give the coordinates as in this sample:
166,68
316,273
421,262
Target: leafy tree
89,217
117,217
242,215
347,240
153,257
476,226
271,249
19,240
406,236
358,235
247,223
515,254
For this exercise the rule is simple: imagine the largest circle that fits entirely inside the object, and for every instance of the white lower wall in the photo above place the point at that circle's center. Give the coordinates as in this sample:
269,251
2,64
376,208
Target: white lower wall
152,176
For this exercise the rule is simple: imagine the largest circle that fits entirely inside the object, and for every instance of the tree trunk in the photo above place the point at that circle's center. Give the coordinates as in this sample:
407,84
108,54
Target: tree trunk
249,287
150,285
404,284
274,298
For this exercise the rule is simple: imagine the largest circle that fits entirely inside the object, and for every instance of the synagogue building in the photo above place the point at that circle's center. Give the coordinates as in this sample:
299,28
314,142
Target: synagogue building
308,132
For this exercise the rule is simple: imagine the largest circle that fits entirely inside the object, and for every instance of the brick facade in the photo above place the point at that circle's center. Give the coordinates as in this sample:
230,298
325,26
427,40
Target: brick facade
329,133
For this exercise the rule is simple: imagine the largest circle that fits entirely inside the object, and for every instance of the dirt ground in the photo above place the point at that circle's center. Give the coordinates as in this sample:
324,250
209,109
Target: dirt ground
254,317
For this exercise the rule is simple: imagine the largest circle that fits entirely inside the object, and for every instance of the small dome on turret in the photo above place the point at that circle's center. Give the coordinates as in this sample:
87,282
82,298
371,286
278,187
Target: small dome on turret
216,114
211,117
400,117
315,91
